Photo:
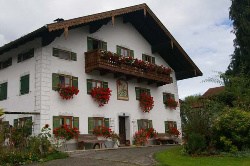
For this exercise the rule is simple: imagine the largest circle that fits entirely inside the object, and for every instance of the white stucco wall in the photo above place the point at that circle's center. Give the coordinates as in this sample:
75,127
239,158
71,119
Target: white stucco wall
82,105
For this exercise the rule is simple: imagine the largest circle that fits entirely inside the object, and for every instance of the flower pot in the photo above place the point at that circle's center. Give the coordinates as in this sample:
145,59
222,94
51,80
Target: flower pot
151,141
138,144
101,138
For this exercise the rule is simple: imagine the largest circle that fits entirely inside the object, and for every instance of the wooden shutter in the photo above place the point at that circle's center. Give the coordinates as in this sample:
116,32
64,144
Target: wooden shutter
55,52
28,123
6,124
131,53
105,85
148,92
143,57
166,126
164,97
137,93
3,92
89,85
15,122
118,50
106,122
175,124
19,58
89,43
153,60
56,122
24,84
9,61
139,124
91,125
172,96
150,124
55,81
75,81
73,56
76,122
104,46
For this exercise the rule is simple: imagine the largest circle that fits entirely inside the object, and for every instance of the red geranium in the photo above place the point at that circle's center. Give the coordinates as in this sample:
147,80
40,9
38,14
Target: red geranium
67,132
174,131
171,103
101,95
67,92
146,102
151,132
103,131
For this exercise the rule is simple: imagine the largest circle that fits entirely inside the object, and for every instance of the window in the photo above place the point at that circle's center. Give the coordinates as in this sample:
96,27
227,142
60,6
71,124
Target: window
139,91
124,51
167,96
64,80
98,122
66,120
25,56
63,54
22,121
95,83
170,124
6,63
25,121
93,44
24,81
3,91
148,58
144,123
95,122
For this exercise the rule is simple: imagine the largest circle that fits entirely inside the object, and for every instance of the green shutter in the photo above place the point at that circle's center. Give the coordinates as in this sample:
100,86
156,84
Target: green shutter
137,92
143,57
131,53
172,96
6,124
139,124
168,96
118,50
148,92
15,122
164,97
89,85
104,46
28,124
175,124
89,43
106,122
75,81
9,61
19,58
171,80
105,85
55,81
150,124
3,92
73,56
76,122
56,122
153,60
24,84
91,125
55,52
31,53
166,127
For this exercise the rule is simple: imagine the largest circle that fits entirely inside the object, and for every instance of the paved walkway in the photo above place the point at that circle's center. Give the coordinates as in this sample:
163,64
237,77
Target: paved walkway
120,157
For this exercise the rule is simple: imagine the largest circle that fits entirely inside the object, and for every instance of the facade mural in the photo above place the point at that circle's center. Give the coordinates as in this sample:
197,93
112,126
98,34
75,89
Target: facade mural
122,90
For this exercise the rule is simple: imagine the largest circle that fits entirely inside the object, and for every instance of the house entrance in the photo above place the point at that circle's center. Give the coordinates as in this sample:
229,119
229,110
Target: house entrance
122,130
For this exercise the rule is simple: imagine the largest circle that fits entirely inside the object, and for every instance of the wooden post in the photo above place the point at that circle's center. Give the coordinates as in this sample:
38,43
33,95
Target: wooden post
145,12
113,20
172,44
66,32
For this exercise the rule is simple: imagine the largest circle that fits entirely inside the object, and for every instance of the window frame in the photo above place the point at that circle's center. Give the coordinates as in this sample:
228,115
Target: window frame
96,120
124,48
60,50
170,123
148,58
64,120
97,81
143,90
68,76
20,120
99,41
143,121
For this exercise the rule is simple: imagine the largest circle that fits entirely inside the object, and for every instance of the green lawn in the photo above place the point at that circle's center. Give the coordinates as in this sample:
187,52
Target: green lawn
173,158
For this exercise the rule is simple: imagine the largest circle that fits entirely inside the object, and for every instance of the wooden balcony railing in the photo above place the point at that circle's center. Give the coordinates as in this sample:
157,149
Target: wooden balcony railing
94,61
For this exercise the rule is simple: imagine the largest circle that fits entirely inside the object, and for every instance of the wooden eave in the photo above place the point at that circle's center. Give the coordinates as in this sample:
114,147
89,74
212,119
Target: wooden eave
142,18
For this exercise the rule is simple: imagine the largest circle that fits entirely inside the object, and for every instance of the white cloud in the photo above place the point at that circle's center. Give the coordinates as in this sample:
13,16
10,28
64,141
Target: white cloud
2,40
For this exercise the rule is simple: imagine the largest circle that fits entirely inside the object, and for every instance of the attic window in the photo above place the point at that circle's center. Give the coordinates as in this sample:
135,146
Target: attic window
64,54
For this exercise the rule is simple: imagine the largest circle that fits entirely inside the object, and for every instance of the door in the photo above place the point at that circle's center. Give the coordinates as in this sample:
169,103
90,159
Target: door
122,130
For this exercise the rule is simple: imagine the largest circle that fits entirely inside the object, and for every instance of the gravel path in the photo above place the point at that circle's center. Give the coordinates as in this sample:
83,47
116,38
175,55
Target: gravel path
121,157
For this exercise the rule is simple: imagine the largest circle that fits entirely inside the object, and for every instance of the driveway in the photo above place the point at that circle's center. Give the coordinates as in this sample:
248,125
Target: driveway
121,157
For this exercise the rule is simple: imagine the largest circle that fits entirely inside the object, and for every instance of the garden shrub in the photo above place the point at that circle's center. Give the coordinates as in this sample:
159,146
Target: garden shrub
231,130
196,143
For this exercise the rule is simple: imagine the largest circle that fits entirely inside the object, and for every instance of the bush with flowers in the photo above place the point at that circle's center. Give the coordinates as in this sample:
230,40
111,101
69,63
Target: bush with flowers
141,137
67,132
103,131
101,95
146,102
67,92
172,104
174,131
151,132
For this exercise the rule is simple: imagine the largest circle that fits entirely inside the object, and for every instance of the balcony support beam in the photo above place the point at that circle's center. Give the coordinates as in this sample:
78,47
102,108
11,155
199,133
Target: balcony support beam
129,78
117,75
139,80
103,72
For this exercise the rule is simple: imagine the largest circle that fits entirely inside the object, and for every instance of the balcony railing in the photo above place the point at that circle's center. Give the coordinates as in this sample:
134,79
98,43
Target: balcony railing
94,61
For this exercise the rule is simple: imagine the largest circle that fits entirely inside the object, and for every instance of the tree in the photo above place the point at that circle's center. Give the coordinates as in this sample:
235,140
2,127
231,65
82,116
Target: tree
240,15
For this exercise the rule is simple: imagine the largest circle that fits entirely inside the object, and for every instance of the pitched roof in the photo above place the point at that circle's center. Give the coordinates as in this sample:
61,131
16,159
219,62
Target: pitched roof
141,17
213,91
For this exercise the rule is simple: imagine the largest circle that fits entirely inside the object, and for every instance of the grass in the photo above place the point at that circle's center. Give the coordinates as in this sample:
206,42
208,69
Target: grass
173,158
55,156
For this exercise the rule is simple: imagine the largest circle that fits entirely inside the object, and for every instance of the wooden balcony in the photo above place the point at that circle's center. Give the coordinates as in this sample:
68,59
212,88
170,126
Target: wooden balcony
94,61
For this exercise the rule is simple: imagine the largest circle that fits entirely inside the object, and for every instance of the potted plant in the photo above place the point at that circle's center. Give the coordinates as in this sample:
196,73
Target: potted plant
146,102
174,131
115,138
66,132
102,133
140,137
172,104
101,95
151,134
67,92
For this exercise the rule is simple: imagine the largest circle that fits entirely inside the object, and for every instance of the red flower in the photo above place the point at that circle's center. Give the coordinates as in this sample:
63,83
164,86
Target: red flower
146,102
101,95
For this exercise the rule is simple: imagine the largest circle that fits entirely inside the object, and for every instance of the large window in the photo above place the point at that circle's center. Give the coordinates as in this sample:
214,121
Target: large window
24,81
3,91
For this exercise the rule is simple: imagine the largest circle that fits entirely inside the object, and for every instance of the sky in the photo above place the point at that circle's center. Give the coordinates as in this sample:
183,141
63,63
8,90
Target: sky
202,28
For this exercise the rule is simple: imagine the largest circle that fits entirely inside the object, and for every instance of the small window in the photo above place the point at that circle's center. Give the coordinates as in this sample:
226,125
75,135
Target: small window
22,121
96,84
93,44
148,58
124,51
25,56
144,123
170,123
64,54
66,120
65,80
97,44
24,84
3,91
6,63
143,91
98,122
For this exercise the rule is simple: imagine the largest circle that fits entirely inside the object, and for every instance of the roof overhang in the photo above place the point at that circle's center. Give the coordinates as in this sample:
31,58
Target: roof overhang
141,17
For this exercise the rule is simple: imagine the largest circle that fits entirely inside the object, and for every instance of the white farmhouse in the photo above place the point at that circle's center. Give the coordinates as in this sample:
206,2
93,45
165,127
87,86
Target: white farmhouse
69,53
